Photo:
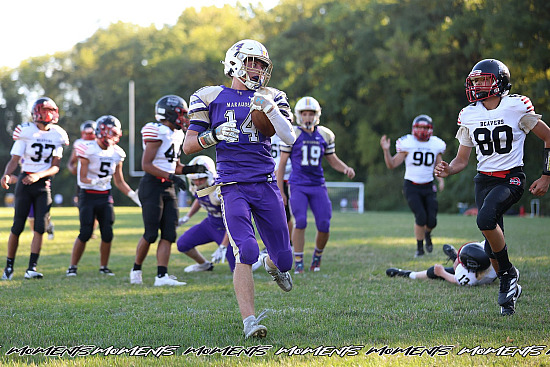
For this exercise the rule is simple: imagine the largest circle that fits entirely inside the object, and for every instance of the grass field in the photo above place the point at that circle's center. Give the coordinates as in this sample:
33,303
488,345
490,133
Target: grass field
349,307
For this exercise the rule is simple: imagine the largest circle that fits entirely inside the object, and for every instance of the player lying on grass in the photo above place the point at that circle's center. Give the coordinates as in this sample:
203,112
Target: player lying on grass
471,266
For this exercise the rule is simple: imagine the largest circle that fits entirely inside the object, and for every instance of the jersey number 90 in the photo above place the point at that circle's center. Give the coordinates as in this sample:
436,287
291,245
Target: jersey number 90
421,158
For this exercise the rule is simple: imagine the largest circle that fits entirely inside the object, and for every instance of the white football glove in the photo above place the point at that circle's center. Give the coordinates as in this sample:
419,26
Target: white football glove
183,220
219,255
227,131
134,196
262,103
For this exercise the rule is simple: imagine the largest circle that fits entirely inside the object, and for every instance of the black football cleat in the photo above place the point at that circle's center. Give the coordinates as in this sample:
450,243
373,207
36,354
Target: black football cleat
508,285
510,308
450,251
429,244
391,272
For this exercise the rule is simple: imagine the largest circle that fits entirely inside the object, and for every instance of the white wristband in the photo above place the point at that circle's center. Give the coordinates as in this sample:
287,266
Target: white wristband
134,196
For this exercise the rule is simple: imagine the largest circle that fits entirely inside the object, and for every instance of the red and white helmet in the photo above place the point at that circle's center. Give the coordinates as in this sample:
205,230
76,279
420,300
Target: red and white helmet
210,173
45,111
87,130
422,127
108,130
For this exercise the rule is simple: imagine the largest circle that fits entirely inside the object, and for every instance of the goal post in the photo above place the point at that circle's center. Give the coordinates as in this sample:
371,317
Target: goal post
132,131
346,196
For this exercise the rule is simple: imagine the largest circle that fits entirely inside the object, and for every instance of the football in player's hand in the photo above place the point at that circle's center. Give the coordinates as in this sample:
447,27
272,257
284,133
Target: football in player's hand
262,123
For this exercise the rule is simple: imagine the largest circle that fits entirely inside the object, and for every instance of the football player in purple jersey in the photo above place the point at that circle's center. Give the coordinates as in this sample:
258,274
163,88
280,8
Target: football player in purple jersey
420,151
38,147
307,180
212,228
496,125
221,117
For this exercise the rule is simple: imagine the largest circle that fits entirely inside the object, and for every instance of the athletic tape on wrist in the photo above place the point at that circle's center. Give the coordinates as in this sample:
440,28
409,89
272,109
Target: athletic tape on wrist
207,139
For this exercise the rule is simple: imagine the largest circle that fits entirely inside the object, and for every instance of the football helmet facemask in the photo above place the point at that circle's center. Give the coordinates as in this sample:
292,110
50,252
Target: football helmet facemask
253,52
108,130
87,130
473,257
488,78
307,104
174,109
210,173
45,111
422,127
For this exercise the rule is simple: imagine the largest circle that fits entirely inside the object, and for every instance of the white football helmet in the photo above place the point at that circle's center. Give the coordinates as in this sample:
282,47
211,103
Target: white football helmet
307,104
234,63
210,173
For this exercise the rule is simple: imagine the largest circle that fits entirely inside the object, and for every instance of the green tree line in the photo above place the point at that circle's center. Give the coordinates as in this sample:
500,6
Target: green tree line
372,64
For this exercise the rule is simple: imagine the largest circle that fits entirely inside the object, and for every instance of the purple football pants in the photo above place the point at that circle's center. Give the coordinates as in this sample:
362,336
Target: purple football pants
262,200
209,230
318,200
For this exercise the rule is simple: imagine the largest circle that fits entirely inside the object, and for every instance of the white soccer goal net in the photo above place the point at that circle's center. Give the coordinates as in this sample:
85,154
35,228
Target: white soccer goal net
346,196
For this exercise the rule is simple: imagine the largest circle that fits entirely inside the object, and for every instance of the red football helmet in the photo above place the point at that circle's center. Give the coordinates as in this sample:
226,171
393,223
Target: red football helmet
45,111
87,130
108,130
422,127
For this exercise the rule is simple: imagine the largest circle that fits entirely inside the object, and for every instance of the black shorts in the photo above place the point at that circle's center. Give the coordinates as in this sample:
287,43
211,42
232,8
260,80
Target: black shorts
39,196
96,205
159,208
422,199
495,195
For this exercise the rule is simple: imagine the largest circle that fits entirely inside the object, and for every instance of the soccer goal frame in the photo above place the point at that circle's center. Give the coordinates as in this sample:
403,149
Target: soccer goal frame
345,203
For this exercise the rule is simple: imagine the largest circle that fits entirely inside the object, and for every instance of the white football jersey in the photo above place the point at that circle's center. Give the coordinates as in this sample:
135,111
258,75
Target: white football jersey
37,147
421,157
464,276
170,150
276,143
78,141
497,135
102,163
